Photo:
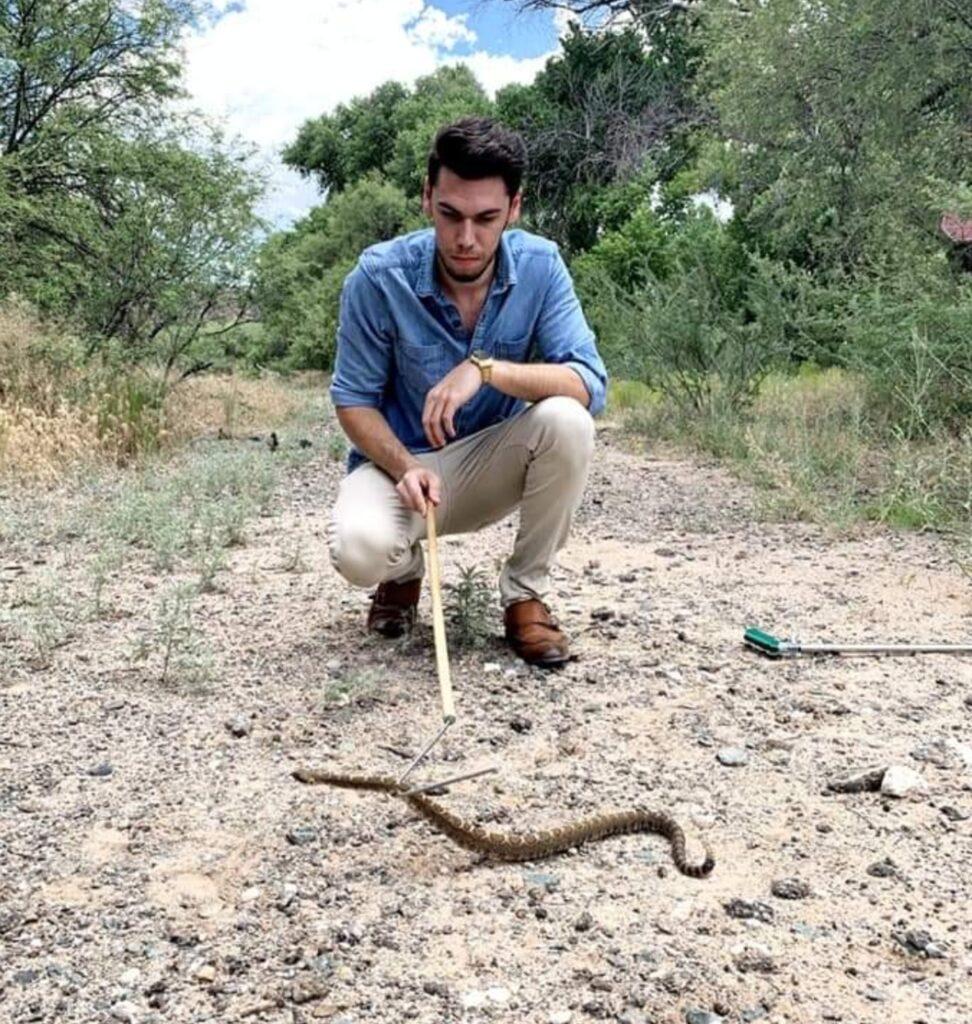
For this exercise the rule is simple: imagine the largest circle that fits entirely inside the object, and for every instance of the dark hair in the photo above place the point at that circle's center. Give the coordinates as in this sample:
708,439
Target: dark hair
479,147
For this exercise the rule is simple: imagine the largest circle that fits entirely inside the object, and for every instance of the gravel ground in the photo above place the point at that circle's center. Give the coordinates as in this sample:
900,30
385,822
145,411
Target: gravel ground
158,862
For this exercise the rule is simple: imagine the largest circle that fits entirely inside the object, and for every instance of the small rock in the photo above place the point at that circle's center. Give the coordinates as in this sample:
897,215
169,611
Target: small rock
875,995
920,943
520,724
498,994
205,973
125,1011
899,780
435,988
732,756
239,726
755,961
492,666
473,999
602,614
882,868
753,1013
866,781
560,1017
749,910
584,923
790,889
302,835
130,977
955,813
702,1017
541,879
101,771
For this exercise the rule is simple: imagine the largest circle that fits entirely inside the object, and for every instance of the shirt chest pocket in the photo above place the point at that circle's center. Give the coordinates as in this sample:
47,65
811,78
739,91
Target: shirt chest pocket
421,366
513,350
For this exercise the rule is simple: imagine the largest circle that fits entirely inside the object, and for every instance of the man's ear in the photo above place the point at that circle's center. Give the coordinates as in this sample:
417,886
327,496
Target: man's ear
515,207
427,198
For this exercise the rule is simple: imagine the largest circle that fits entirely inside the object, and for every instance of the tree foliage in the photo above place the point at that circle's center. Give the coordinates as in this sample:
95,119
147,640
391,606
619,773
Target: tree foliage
133,221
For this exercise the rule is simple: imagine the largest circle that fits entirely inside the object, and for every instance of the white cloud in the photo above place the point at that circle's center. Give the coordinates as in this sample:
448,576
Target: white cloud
266,69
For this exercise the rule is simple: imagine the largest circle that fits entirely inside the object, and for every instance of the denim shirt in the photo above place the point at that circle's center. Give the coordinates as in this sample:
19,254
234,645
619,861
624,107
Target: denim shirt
399,334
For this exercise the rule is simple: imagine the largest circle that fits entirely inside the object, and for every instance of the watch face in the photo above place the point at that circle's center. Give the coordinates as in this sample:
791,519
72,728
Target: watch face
478,353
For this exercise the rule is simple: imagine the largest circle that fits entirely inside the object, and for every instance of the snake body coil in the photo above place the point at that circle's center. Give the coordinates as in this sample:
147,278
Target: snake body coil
533,846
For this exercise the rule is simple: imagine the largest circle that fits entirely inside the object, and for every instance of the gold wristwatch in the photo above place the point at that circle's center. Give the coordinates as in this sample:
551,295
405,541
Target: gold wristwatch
483,361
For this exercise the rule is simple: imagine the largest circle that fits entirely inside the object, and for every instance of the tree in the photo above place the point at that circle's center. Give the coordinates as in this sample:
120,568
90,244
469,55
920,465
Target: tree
846,122
70,65
300,272
598,115
389,131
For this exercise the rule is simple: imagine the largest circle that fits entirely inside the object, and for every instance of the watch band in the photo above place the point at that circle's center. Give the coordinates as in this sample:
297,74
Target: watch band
484,363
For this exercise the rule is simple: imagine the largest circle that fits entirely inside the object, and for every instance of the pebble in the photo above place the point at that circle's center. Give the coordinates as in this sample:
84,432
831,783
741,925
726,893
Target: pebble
130,977
302,835
732,756
520,724
790,889
702,1017
101,771
205,973
866,781
542,879
919,943
125,1011
473,999
498,994
749,910
560,1017
753,1013
899,780
492,666
955,813
882,868
584,923
239,726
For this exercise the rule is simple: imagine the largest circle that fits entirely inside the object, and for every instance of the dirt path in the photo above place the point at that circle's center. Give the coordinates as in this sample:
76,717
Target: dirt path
156,867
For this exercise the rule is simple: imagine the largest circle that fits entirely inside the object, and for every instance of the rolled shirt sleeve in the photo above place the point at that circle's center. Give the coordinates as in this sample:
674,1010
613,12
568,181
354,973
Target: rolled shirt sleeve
564,336
362,365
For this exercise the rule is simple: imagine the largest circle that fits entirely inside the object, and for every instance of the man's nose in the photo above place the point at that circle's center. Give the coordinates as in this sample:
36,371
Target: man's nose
467,236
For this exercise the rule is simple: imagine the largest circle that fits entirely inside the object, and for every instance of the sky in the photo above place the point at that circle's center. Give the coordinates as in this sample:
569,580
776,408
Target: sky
263,67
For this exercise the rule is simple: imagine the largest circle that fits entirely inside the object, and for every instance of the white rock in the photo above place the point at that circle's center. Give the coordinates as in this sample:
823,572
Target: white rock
900,780
251,894
130,977
126,1012
498,994
560,1017
492,666
473,999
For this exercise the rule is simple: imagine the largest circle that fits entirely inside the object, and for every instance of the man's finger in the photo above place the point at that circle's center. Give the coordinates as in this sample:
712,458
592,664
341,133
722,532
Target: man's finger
448,412
413,495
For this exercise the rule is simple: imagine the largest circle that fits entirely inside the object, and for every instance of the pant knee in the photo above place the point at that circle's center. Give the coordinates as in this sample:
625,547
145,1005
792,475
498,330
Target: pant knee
359,555
569,424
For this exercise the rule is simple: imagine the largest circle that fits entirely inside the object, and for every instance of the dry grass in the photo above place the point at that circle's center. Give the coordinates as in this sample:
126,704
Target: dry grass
58,415
235,405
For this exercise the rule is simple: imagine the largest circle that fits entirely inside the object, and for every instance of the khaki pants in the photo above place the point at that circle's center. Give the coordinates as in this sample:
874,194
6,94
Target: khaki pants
536,461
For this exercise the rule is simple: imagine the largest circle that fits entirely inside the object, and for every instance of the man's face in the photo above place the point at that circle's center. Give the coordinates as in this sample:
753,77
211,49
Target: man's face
469,218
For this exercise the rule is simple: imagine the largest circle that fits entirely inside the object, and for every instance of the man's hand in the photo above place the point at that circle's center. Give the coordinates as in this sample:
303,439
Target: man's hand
446,398
418,487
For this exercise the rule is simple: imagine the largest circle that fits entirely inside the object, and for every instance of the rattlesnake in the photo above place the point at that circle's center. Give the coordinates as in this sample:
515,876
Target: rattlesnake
506,847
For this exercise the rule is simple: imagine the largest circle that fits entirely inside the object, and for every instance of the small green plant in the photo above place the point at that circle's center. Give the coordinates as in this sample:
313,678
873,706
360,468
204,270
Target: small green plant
108,559
357,684
469,609
172,637
46,619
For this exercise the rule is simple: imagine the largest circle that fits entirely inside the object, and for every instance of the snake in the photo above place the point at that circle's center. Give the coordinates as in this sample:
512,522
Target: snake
502,846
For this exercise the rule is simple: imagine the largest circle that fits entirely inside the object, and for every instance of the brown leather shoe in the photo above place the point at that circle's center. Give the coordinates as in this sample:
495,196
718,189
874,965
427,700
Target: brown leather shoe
393,605
534,634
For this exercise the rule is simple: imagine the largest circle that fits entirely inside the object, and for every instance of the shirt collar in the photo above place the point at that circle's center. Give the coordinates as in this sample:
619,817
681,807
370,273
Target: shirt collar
504,278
